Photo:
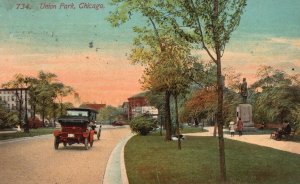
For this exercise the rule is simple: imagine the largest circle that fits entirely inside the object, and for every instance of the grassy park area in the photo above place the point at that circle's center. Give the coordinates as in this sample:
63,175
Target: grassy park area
192,130
149,159
33,132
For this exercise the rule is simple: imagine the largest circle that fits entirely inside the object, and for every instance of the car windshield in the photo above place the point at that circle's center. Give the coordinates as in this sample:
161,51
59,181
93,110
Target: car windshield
77,113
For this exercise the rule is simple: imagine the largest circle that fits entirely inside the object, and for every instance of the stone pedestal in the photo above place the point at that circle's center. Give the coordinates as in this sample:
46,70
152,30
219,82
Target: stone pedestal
244,111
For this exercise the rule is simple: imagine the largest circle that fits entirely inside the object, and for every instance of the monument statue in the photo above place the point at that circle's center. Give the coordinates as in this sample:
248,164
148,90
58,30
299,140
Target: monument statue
244,110
244,90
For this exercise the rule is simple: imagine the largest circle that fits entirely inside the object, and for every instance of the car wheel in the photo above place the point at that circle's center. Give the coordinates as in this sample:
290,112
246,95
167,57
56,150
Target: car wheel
56,143
99,133
86,143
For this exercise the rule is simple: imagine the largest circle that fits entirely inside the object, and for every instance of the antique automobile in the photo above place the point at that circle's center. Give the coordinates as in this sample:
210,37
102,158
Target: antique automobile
77,126
117,123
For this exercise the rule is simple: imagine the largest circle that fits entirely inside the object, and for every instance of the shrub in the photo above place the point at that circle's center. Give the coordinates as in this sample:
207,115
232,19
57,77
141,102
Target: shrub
35,123
143,125
8,119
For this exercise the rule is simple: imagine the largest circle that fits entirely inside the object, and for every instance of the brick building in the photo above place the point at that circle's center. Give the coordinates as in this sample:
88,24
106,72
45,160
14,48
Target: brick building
138,105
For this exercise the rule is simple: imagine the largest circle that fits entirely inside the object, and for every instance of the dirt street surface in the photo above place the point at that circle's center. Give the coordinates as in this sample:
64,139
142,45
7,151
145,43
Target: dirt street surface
35,161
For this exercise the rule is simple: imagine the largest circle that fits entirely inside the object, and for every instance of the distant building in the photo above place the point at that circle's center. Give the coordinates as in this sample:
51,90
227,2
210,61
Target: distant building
125,107
150,110
14,99
138,104
97,107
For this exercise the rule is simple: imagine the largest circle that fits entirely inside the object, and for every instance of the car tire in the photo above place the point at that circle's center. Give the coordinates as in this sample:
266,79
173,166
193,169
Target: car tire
86,143
56,143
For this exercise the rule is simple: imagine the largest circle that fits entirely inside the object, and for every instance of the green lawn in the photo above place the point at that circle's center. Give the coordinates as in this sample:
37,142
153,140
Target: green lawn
192,130
184,130
33,132
151,160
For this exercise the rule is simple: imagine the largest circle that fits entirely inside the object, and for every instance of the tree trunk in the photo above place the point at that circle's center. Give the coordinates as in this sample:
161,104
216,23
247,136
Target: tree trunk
167,116
26,129
196,122
54,114
220,119
177,122
161,124
216,38
43,112
20,106
34,112
61,107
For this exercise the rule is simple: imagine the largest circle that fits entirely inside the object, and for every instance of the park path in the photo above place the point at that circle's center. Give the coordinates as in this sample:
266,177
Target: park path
262,140
34,161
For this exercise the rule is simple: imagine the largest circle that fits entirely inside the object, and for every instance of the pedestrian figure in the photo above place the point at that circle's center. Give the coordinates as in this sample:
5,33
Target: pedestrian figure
240,126
232,128
18,128
285,130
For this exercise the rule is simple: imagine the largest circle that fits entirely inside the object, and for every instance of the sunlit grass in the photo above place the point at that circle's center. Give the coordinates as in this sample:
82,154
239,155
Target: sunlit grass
149,159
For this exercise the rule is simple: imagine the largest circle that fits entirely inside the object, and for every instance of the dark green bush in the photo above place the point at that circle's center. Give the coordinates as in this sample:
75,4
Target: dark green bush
143,125
8,118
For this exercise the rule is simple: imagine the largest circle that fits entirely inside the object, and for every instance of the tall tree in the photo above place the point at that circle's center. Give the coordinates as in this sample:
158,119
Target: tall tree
207,23
154,38
165,70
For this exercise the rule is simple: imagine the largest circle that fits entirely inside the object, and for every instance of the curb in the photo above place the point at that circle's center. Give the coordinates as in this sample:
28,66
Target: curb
115,171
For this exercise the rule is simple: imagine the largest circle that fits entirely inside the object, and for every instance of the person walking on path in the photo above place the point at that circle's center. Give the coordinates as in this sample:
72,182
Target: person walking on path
240,126
232,128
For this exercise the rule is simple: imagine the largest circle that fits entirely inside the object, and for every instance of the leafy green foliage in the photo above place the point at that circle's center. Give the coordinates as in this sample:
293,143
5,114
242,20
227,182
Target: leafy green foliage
109,114
44,92
8,119
277,97
143,125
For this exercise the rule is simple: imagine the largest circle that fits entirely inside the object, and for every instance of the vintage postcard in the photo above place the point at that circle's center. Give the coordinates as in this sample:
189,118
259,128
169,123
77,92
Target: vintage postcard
79,78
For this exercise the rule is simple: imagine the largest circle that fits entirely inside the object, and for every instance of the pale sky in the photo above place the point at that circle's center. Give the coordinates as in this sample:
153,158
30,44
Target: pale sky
58,41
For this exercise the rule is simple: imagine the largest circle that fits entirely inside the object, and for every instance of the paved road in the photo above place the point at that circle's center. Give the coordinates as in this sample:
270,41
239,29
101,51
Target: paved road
35,160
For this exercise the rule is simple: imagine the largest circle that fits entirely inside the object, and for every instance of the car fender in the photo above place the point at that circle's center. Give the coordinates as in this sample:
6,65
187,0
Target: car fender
85,134
56,133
